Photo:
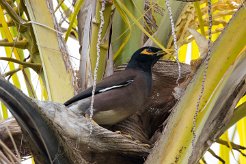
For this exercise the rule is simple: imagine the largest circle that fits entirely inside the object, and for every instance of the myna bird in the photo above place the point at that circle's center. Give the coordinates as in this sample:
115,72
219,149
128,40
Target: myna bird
121,94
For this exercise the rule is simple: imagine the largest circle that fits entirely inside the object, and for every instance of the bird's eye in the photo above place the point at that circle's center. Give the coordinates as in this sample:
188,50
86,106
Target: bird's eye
149,50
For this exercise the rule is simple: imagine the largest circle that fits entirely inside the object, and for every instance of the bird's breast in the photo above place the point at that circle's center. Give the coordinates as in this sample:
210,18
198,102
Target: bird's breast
111,117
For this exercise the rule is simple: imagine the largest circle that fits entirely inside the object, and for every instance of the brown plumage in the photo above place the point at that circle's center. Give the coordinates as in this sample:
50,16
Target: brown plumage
121,94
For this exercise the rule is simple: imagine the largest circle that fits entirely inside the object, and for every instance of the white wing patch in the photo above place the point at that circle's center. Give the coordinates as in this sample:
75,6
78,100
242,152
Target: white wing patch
116,86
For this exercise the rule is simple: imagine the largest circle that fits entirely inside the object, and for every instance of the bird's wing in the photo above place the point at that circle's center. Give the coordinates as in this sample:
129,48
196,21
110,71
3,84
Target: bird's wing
117,80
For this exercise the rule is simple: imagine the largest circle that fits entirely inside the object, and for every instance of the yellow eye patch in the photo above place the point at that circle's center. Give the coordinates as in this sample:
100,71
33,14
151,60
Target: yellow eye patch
146,52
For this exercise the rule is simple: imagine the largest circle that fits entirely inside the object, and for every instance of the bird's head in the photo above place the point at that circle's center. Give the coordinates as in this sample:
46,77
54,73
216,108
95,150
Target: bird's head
145,57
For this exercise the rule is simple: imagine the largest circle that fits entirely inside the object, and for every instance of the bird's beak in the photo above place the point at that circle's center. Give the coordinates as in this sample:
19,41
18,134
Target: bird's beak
160,53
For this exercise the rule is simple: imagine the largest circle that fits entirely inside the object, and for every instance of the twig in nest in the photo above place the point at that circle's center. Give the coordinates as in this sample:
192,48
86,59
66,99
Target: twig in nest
8,152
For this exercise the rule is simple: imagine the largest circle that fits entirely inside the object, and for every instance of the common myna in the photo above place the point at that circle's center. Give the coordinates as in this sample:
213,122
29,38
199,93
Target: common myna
121,94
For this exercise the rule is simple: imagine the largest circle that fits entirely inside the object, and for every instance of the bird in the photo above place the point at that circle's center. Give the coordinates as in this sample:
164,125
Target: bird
122,94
